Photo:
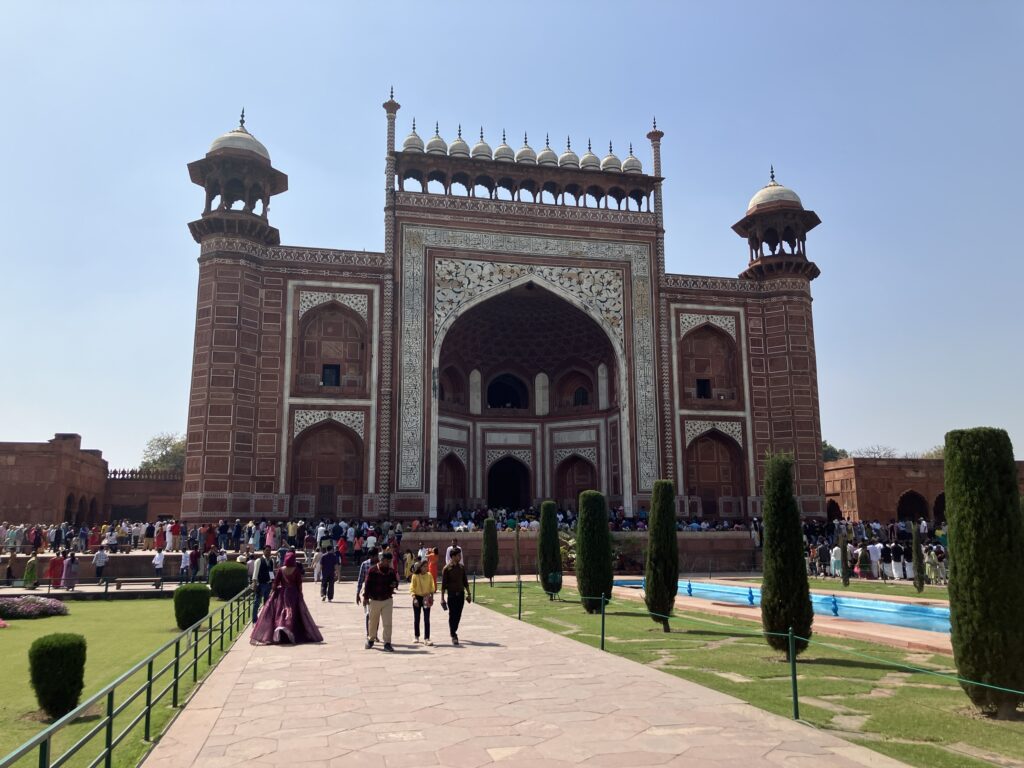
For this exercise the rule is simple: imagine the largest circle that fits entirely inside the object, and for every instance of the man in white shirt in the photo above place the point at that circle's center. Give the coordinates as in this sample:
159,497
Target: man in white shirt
875,553
448,552
371,542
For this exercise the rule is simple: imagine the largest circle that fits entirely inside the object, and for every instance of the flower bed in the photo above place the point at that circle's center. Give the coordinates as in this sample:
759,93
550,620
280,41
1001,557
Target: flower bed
31,607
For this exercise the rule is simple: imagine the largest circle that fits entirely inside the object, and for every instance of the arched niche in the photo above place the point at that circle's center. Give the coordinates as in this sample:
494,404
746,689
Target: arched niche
451,484
573,475
709,368
912,506
574,392
333,352
506,391
714,475
508,484
327,471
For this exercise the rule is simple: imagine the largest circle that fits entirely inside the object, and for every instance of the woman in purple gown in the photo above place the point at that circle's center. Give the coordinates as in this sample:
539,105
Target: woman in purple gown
285,618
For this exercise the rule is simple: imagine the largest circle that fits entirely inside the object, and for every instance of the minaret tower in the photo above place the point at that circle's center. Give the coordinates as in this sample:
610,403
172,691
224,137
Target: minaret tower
239,182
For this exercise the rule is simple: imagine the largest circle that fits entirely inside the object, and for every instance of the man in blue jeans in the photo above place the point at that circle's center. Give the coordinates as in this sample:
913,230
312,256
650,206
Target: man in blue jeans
263,574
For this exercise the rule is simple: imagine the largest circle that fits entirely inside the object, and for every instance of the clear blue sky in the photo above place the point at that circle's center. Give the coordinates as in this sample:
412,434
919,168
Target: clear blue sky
899,123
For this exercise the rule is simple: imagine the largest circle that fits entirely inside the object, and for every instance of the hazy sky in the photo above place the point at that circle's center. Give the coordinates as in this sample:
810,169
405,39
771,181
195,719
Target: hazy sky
898,122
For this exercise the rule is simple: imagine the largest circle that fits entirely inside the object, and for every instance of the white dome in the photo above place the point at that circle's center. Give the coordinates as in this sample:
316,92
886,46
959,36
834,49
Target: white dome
239,138
611,162
568,159
481,150
547,155
503,152
773,193
589,161
437,145
413,142
632,163
525,153
459,148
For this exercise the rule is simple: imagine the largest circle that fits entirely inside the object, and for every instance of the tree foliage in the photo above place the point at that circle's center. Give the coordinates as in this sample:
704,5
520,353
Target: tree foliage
844,557
986,566
661,574
936,452
549,550
593,551
165,452
874,452
785,593
227,579
57,670
830,453
490,545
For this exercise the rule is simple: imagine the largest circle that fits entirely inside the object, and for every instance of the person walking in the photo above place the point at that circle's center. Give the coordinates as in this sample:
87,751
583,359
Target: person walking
455,584
381,584
99,562
70,575
328,574
263,574
364,570
158,563
422,588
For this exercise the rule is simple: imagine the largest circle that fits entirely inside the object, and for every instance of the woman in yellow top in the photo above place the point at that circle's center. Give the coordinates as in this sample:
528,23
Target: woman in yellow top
422,587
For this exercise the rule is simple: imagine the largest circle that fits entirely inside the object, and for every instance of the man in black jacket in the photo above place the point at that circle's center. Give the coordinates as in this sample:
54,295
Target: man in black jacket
381,583
455,583
263,574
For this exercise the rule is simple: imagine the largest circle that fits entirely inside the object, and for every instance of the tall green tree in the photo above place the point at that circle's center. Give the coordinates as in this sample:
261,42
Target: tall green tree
844,557
661,574
785,593
490,553
593,551
830,453
549,550
986,566
165,452
917,557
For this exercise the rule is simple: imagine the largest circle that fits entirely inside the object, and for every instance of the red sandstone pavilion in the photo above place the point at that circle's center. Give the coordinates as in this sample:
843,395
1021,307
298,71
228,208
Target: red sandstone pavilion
517,339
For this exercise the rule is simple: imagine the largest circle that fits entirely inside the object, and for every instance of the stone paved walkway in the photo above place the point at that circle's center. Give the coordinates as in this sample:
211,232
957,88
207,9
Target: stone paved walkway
512,694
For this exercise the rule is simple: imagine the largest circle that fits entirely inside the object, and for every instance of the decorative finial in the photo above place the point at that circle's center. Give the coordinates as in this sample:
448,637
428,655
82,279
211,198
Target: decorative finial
631,149
437,128
391,95
773,173
655,123
568,143
241,120
460,130
610,148
588,145
481,133
414,125
526,141
503,136
547,141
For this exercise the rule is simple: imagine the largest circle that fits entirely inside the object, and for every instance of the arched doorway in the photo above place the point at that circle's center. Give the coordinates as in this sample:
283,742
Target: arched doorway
69,510
714,474
709,370
327,472
508,391
940,508
93,508
83,510
508,484
833,511
912,506
451,484
573,476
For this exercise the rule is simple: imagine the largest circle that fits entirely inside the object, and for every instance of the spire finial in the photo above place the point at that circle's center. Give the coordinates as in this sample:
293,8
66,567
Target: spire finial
526,141
241,120
437,128
631,148
414,125
773,173
655,121
391,94
547,141
568,143
503,136
588,145
610,148
481,133
460,130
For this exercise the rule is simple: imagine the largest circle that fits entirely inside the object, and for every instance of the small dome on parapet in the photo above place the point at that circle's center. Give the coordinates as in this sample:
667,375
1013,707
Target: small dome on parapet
525,153
547,155
239,138
568,159
775,195
413,142
589,161
437,145
632,163
611,162
503,152
458,148
481,150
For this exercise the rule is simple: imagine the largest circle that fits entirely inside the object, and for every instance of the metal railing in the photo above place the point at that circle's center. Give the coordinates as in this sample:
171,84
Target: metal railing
227,621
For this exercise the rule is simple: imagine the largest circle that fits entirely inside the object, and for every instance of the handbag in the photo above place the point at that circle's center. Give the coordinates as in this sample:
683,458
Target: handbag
428,600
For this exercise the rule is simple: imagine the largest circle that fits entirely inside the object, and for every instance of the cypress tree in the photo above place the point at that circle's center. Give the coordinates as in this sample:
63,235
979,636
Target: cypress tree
593,551
785,593
661,575
986,566
917,557
844,557
549,551
490,553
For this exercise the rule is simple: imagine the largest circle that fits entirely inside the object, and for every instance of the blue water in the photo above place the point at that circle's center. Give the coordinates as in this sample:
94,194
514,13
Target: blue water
927,617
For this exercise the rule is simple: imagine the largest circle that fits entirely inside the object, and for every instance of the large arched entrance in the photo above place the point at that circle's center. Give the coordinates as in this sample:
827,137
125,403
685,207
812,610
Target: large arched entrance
327,472
912,506
508,484
451,484
714,475
574,475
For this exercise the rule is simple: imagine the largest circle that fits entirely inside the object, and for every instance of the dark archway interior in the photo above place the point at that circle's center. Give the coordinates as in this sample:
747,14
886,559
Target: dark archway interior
833,510
940,508
912,506
507,391
508,485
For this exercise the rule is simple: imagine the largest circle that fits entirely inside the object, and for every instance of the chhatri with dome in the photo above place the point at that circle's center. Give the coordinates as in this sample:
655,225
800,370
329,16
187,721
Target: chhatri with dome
517,339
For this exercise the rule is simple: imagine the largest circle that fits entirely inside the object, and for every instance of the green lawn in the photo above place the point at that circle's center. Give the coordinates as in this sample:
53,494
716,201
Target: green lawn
921,719
119,633
898,589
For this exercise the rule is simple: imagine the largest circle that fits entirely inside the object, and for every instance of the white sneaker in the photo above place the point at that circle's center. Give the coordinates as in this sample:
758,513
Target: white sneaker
427,642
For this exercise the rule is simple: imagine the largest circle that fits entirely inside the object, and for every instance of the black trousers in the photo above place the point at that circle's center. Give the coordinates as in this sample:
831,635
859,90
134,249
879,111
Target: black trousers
456,602
417,606
327,588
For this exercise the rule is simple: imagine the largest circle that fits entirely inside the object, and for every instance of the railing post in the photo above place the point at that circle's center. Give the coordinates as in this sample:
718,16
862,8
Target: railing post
220,634
474,586
792,673
108,740
209,641
520,583
602,621
177,664
44,753
149,695
195,655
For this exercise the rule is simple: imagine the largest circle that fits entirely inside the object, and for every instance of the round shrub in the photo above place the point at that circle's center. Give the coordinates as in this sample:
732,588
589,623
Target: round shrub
57,666
227,579
31,607
191,603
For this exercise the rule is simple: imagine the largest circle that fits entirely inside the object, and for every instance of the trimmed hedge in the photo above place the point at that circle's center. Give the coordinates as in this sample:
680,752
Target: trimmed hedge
986,566
490,545
593,552
227,579
549,550
661,574
191,603
785,594
57,667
